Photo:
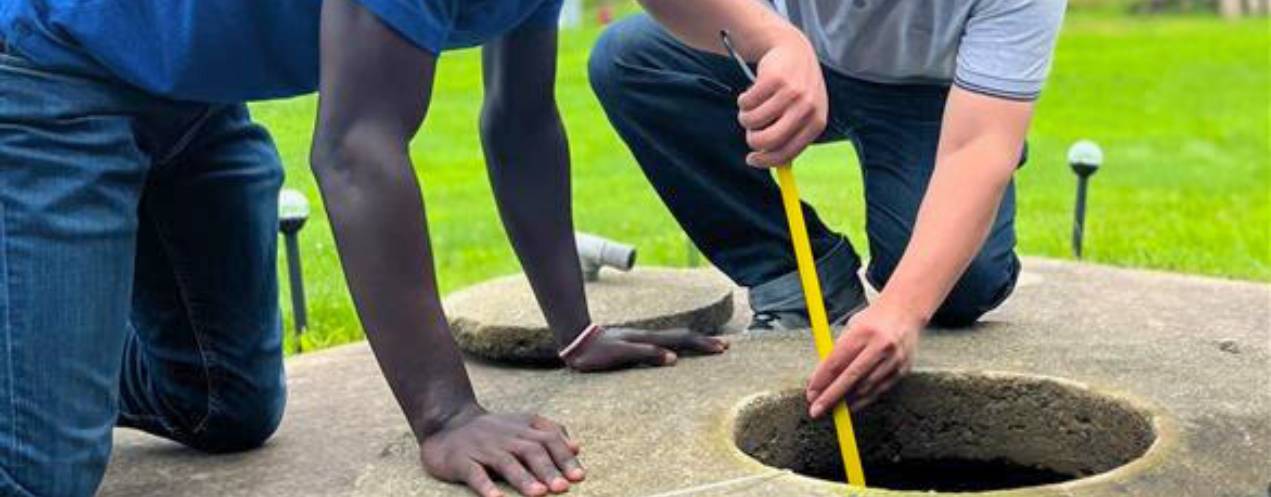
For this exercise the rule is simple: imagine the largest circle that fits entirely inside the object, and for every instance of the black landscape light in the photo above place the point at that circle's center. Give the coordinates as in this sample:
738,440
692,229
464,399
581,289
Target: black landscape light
1084,157
293,211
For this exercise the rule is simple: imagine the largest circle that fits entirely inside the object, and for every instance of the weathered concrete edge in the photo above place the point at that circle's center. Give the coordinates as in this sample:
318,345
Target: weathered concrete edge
709,320
1165,427
1053,262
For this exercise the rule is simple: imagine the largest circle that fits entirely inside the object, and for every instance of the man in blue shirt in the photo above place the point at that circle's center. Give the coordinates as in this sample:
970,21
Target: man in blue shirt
138,223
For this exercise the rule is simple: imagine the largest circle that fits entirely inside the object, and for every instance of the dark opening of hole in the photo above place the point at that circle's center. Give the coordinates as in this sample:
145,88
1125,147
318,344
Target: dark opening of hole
956,432
949,475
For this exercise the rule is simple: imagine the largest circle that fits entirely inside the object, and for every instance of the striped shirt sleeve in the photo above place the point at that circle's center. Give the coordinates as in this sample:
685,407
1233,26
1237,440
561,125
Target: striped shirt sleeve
1007,47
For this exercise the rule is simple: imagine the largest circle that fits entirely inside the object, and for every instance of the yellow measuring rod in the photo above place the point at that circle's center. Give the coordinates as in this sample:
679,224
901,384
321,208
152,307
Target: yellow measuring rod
811,291
816,313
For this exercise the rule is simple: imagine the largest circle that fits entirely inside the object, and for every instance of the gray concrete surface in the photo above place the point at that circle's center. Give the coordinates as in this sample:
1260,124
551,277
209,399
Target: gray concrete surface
1195,351
500,320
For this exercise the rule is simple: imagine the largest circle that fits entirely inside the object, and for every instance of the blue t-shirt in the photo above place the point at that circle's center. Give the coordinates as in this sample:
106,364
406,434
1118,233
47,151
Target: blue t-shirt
233,50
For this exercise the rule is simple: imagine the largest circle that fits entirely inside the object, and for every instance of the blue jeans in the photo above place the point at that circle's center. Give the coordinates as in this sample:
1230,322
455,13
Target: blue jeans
137,276
676,109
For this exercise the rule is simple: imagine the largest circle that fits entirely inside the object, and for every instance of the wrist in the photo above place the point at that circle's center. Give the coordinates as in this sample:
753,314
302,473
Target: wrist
570,352
903,307
446,418
787,36
755,43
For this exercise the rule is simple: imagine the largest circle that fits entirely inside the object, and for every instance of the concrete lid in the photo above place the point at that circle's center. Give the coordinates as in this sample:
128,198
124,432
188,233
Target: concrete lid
1164,340
500,319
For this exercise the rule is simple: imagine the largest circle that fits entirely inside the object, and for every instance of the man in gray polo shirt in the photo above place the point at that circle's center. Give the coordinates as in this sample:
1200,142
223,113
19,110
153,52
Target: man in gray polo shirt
935,95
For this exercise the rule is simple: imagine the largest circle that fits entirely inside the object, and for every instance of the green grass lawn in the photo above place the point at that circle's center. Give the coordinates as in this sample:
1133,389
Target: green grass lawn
1181,106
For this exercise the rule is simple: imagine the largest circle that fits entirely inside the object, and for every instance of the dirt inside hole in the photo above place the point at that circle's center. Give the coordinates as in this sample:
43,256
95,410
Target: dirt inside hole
956,432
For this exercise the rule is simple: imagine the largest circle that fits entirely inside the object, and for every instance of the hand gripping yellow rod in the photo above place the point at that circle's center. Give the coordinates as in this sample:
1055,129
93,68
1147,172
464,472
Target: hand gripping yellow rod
821,337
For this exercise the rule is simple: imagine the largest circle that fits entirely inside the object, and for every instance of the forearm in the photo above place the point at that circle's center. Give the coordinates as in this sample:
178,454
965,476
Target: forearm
877,347
980,142
377,215
953,222
528,158
754,26
373,96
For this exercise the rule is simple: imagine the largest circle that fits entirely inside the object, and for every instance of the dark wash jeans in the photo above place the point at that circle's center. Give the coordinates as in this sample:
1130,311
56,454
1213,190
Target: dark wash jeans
676,108
137,276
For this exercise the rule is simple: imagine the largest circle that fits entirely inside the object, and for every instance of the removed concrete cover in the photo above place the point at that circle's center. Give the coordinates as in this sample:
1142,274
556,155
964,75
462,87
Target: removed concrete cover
957,432
1142,335
500,320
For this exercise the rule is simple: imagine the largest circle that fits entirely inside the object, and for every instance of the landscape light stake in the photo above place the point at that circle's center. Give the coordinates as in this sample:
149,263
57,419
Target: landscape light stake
821,336
1084,157
293,211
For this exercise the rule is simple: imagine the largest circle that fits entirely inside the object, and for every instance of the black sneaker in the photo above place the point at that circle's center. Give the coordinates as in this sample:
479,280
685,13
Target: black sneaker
768,322
764,322
843,302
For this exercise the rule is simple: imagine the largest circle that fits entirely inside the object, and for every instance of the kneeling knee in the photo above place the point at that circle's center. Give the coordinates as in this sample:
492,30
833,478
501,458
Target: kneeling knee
242,425
624,45
602,64
959,315
981,289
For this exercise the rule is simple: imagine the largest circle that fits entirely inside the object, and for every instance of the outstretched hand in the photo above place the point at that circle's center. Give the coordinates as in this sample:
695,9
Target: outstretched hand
531,453
871,355
619,348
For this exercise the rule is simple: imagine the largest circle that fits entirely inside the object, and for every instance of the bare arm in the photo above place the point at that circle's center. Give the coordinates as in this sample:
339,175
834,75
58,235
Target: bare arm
375,89
528,158
978,152
977,156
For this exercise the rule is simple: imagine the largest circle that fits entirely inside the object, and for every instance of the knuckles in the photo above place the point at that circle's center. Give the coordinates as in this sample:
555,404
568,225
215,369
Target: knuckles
523,448
504,460
803,99
889,346
755,141
819,121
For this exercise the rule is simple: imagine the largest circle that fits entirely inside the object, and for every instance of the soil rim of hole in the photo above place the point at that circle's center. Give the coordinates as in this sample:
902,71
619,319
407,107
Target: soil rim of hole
1165,442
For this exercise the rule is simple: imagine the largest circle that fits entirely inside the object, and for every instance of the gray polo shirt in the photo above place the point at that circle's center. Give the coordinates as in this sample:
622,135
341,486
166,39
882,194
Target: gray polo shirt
997,47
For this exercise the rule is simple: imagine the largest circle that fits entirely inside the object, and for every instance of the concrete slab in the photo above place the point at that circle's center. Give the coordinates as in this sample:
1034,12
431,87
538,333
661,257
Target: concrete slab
500,320
1195,352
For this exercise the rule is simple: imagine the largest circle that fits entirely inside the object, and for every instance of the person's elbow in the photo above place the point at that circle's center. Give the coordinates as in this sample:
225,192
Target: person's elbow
354,155
1003,155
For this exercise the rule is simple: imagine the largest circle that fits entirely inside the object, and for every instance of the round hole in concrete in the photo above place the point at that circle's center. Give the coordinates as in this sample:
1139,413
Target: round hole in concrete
956,432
